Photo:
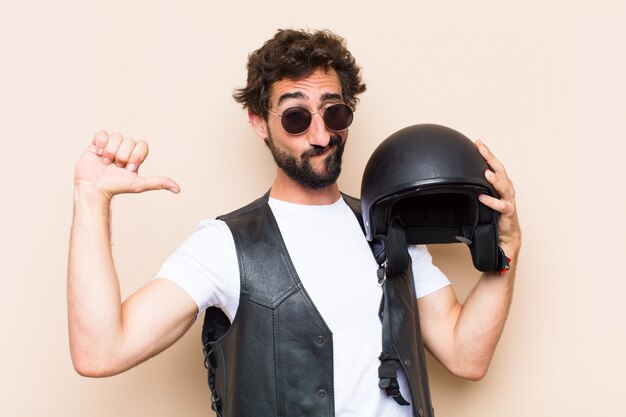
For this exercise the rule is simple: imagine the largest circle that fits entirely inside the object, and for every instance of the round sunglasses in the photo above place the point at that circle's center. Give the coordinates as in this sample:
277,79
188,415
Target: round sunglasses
296,120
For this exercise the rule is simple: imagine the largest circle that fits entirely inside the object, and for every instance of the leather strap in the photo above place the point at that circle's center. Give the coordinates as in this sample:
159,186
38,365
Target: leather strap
396,263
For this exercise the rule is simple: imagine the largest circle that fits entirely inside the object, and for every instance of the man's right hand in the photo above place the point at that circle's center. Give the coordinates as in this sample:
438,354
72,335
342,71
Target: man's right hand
106,335
111,163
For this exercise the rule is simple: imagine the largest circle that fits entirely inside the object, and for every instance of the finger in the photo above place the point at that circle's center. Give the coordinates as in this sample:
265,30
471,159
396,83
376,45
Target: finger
110,149
499,205
155,183
491,159
98,142
138,155
502,184
124,151
499,178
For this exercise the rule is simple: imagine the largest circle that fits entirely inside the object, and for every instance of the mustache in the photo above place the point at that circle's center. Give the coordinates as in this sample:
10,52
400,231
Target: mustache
318,150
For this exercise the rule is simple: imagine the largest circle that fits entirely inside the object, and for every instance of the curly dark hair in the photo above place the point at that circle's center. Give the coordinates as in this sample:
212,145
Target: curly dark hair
296,54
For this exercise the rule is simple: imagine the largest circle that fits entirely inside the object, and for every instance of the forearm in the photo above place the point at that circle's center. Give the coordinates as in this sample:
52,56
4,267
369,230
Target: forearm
481,320
480,324
94,304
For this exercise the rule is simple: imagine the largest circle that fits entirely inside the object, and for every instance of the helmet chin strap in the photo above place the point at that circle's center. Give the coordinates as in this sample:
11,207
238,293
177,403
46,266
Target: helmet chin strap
487,255
396,260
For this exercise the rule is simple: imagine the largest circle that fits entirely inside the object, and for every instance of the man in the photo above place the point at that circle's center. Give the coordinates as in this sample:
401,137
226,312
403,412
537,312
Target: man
291,265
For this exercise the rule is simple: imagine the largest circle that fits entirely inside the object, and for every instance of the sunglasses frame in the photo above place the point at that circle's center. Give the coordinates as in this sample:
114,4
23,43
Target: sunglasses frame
320,112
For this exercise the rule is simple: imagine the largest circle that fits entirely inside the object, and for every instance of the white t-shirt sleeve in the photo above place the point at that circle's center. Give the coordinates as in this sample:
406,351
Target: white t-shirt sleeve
206,267
428,278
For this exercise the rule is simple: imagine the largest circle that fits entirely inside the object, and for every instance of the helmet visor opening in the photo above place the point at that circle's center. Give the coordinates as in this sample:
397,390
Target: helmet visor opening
455,210
440,216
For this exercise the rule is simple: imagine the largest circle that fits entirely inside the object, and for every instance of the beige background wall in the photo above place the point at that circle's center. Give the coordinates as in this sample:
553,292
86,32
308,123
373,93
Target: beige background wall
542,82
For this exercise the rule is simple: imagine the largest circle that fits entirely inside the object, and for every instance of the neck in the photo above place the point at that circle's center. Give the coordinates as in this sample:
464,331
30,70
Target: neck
286,189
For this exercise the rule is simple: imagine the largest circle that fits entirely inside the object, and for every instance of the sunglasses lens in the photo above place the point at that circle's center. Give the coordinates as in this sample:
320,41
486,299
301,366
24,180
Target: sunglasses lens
338,117
296,120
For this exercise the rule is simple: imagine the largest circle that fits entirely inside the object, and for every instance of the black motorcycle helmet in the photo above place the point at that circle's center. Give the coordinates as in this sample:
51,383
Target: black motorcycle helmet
427,178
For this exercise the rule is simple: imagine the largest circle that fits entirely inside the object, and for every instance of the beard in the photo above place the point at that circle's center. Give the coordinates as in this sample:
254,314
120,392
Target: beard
301,170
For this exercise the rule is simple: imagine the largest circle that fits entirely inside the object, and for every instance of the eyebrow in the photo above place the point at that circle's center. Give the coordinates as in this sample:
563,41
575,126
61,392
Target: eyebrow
330,96
288,96
298,94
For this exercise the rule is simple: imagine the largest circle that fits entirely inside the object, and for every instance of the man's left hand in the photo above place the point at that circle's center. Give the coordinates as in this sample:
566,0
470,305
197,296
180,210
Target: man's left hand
508,226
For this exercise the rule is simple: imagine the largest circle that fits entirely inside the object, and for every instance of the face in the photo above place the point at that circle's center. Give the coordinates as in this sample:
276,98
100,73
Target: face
313,158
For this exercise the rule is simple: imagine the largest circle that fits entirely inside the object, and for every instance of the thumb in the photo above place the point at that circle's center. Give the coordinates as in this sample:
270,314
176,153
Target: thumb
142,184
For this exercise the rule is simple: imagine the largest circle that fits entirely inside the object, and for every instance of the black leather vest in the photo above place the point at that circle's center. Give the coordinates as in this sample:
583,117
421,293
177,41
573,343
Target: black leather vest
276,358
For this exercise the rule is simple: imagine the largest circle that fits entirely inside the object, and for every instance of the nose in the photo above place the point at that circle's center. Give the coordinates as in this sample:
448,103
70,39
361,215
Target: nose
318,134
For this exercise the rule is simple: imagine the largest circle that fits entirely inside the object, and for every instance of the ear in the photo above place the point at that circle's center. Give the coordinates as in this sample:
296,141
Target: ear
259,125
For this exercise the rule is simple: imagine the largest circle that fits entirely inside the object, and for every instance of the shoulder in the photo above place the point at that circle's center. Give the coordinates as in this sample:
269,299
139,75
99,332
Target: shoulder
352,202
256,204
212,230
428,277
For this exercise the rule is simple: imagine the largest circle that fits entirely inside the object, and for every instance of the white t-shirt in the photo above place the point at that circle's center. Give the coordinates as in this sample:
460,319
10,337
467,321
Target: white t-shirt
335,264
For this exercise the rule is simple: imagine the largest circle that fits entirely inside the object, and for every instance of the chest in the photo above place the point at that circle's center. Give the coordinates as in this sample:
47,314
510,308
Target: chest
336,267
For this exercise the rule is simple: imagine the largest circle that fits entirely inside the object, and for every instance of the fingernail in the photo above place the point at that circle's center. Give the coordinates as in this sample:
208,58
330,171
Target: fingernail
100,151
131,167
489,174
483,198
106,161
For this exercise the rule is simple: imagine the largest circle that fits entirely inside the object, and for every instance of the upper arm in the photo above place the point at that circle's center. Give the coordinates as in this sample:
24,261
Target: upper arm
438,306
153,318
439,313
